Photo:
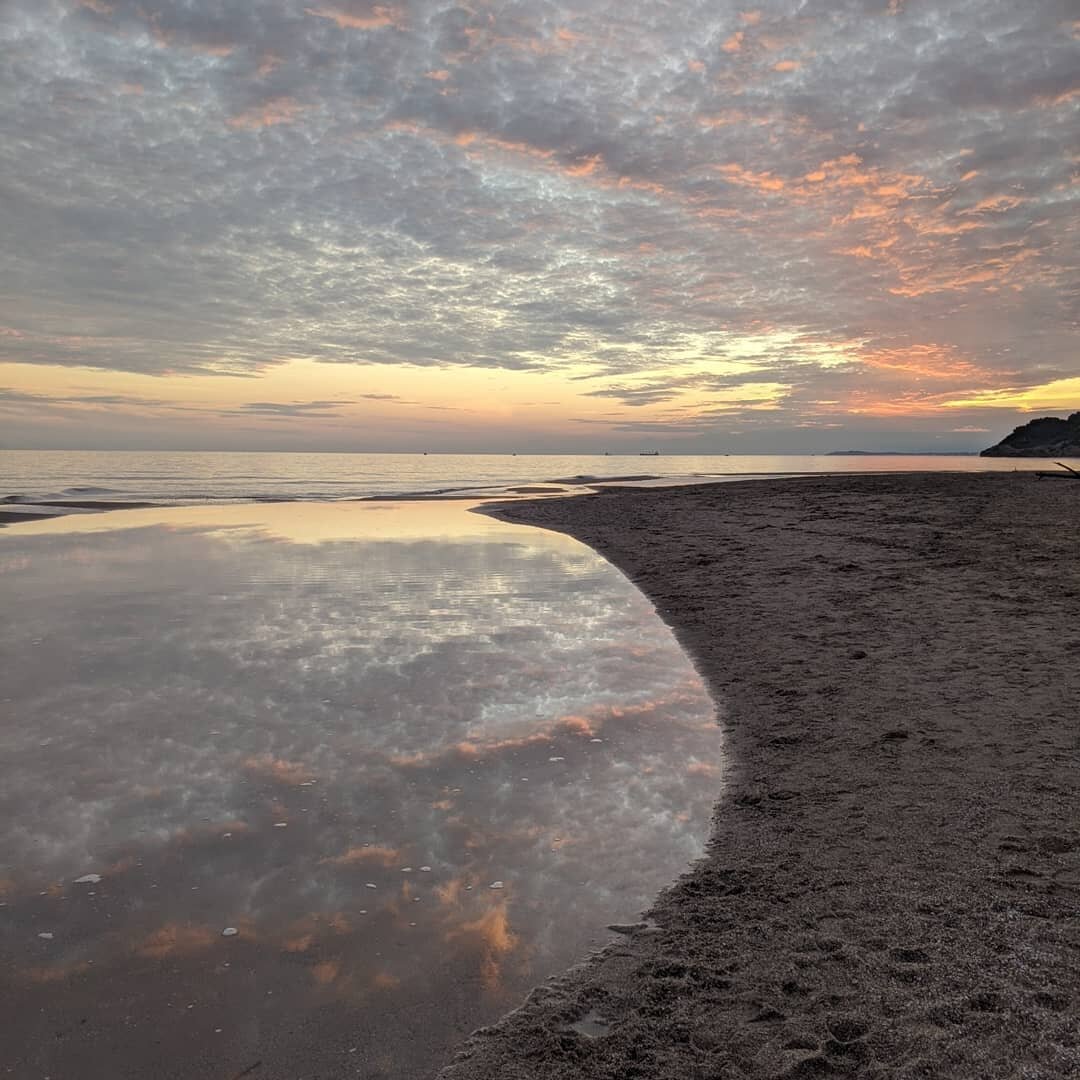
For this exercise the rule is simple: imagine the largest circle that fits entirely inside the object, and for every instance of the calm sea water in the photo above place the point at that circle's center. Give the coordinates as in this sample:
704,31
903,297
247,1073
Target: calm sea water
175,477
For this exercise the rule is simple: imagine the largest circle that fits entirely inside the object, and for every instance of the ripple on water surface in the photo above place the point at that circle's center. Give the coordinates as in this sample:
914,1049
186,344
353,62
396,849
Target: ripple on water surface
322,786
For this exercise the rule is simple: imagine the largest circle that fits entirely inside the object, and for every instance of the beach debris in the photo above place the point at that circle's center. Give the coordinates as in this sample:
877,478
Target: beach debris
406,869
45,936
1072,474
425,869
88,879
370,885
229,931
281,824
496,885
247,1072
556,759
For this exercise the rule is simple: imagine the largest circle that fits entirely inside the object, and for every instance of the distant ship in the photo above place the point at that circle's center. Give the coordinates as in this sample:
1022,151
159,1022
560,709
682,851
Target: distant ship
649,453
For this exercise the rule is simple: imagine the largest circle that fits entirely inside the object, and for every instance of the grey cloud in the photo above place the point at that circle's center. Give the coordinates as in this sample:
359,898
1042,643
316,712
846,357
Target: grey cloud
294,408
219,186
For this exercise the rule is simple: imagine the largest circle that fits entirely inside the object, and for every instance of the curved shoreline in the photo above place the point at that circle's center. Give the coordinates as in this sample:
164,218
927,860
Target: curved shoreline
892,886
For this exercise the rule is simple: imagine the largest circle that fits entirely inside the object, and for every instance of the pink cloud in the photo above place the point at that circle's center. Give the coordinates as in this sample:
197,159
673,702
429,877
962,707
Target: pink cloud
280,110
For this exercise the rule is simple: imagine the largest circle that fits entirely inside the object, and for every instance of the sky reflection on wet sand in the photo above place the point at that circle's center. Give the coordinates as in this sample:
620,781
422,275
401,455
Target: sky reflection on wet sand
417,758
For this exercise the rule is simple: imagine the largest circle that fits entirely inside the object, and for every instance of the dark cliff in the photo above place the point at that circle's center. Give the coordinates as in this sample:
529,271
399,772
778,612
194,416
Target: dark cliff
1048,436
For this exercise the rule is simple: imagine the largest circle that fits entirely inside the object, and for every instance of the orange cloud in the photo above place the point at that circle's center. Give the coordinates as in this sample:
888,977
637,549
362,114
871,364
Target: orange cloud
176,939
586,167
359,16
483,38
492,936
994,204
366,856
925,361
786,65
1052,101
731,116
479,144
292,773
450,892
733,43
992,272
326,972
268,62
763,181
472,749
299,943
47,976
279,110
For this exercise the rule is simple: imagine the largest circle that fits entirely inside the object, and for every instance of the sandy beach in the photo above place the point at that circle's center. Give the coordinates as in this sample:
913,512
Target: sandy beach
892,887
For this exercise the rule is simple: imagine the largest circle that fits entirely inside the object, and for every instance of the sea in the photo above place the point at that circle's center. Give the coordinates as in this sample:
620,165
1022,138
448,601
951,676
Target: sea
304,773
36,477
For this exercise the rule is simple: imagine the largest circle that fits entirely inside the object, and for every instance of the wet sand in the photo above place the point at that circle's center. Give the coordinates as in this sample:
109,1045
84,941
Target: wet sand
893,883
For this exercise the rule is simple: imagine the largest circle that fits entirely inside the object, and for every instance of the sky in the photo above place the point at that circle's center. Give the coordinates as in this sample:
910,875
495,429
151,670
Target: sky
797,225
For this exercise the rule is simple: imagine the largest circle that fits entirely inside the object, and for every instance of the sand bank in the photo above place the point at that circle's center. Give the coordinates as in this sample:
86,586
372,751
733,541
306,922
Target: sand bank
893,883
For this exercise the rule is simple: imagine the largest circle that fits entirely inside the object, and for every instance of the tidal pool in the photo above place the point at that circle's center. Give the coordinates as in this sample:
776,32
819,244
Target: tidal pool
316,789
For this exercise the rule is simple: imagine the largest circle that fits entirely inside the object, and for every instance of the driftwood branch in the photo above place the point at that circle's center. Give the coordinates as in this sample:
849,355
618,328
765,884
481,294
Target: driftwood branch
1071,474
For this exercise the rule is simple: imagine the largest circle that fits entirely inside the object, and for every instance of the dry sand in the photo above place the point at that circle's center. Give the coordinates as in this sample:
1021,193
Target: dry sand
892,887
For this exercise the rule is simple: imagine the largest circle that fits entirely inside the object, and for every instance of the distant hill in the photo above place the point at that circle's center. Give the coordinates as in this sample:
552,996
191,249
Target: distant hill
1049,436
899,453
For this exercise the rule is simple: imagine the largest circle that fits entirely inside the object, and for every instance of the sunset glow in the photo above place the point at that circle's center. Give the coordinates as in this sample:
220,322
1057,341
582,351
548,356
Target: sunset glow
413,226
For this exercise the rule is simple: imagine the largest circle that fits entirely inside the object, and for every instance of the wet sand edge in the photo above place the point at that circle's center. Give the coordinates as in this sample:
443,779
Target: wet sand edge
892,885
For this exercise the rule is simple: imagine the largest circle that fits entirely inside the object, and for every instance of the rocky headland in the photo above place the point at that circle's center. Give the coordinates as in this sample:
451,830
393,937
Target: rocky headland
1048,436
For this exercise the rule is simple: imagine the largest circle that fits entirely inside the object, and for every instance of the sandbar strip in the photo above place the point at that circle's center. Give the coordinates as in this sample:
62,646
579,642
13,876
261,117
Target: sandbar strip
892,886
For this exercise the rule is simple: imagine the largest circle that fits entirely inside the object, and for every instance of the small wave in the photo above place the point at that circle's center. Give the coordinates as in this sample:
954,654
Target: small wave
426,493
626,479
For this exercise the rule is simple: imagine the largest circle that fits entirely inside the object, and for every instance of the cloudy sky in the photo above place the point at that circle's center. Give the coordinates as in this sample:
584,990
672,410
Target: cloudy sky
411,224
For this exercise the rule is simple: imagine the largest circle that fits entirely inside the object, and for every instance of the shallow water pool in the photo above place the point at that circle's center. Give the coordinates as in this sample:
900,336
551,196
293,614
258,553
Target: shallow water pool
321,787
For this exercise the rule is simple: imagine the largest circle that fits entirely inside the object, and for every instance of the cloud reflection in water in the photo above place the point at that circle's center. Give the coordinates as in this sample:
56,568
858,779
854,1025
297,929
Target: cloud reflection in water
334,729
